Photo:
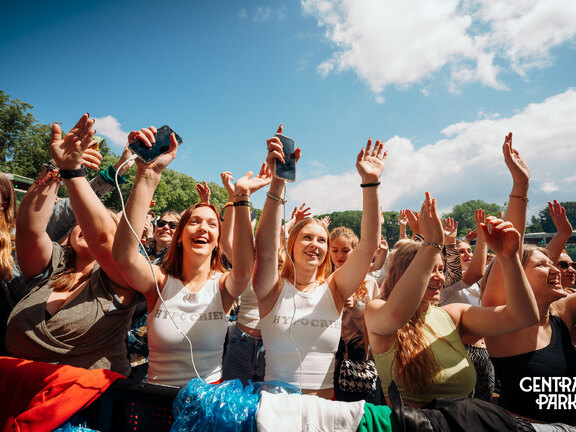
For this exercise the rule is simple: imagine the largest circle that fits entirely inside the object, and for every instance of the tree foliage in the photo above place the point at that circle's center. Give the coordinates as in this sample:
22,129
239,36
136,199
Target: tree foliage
543,222
465,213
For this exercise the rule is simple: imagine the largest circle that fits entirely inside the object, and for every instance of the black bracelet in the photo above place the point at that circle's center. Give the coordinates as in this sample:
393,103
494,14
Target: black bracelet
242,203
365,185
68,174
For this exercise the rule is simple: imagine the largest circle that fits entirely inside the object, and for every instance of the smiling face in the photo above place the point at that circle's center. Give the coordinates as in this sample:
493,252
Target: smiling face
340,249
201,232
436,282
567,270
465,252
544,278
311,245
163,234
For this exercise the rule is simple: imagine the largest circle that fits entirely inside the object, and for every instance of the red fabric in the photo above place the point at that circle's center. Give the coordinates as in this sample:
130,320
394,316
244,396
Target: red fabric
40,397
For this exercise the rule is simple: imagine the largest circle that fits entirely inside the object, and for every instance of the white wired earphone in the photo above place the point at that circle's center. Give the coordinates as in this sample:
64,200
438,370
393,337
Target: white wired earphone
131,158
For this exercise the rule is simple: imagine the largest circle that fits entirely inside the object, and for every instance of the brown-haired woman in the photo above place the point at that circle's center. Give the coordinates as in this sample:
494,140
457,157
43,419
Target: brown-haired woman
300,306
79,314
426,357
189,296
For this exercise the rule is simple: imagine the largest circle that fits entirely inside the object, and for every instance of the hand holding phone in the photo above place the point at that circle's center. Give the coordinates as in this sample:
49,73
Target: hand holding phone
286,170
159,147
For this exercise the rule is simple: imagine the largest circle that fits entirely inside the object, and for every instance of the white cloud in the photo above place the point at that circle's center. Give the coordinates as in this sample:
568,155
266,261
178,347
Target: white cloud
110,128
549,187
401,43
242,14
467,164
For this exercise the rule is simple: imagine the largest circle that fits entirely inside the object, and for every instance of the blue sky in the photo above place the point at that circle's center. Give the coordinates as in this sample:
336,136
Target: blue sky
441,81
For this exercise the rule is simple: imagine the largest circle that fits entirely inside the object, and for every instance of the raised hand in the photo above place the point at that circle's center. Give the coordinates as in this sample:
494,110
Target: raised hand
326,221
228,183
370,161
275,151
204,192
516,165
429,222
247,184
301,213
479,216
558,215
501,236
413,221
472,234
67,152
403,218
450,230
147,136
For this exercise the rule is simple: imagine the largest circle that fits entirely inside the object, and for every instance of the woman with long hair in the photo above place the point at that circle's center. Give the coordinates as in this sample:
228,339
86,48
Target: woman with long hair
300,305
80,308
7,265
426,357
189,296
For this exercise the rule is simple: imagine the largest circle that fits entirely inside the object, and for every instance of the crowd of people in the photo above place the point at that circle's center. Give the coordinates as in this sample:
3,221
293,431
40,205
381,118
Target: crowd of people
199,294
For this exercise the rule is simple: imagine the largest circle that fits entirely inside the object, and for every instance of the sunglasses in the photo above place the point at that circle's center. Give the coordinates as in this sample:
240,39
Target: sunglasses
161,223
565,264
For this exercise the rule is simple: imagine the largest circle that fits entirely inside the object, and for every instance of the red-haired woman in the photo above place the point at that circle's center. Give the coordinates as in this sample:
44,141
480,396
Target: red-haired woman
189,296
300,306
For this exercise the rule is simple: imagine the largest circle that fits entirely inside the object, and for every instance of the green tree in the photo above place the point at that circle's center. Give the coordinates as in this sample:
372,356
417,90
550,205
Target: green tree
465,213
24,143
543,222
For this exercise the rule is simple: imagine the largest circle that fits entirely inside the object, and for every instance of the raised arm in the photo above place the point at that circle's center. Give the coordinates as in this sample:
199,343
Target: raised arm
563,230
227,216
402,222
243,239
478,262
453,266
380,256
384,317
132,265
204,192
413,222
97,224
370,164
520,310
298,214
265,277
494,293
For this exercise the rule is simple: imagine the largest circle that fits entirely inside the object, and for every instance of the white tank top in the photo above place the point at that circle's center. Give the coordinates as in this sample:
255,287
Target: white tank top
248,314
202,318
315,330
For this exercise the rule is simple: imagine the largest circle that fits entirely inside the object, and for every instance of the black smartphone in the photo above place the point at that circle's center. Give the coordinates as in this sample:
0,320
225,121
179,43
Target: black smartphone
286,170
161,146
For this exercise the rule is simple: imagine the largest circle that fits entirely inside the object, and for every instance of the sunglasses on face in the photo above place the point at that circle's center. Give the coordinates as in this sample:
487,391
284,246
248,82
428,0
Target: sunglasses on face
565,264
171,224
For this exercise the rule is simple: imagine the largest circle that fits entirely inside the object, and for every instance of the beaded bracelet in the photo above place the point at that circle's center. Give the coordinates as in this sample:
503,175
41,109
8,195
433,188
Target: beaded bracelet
49,171
228,204
242,203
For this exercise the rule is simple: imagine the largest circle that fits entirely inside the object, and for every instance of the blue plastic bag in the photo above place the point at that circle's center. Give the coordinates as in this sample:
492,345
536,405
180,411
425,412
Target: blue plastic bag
226,407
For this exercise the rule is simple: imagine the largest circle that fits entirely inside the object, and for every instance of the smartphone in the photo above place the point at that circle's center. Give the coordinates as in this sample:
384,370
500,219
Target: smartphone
161,146
286,170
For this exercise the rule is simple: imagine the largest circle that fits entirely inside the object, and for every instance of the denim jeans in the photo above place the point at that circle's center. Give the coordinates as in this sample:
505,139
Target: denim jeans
244,357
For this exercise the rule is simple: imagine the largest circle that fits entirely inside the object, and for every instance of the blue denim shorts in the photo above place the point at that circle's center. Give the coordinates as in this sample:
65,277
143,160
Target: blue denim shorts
244,357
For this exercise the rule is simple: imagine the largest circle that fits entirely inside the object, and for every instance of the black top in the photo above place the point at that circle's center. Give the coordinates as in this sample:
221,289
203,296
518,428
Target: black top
532,384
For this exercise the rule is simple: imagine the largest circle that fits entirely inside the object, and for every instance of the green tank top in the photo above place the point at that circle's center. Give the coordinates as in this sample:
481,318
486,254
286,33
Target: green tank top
457,377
